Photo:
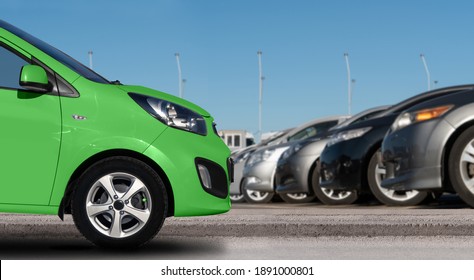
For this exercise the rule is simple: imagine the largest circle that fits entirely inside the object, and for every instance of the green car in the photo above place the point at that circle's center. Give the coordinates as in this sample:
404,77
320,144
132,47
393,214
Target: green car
119,158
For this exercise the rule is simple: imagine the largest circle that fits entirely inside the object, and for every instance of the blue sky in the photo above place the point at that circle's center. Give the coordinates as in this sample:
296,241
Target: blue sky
303,43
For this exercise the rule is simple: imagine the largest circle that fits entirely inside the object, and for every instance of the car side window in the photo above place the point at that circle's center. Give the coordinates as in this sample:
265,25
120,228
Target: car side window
10,68
312,131
323,127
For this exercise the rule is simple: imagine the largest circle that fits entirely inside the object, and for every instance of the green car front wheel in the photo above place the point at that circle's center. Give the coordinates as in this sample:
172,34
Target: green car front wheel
119,201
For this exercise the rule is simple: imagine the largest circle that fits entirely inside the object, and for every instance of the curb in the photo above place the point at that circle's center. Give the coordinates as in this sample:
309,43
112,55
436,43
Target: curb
176,227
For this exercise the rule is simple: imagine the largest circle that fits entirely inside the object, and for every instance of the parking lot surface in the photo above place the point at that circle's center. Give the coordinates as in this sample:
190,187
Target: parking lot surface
441,230
448,217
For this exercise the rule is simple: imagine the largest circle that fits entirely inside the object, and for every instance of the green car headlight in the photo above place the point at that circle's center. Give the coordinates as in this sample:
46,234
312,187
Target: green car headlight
171,114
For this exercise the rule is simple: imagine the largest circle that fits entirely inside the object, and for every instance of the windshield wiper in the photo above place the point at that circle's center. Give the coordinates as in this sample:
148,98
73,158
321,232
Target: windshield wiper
116,82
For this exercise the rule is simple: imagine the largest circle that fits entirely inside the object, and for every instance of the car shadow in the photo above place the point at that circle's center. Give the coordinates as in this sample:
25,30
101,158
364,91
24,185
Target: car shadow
446,201
74,249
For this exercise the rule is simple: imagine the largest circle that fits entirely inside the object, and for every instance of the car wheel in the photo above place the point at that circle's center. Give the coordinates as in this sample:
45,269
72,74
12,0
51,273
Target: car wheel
375,175
257,196
119,202
297,197
329,196
461,166
237,198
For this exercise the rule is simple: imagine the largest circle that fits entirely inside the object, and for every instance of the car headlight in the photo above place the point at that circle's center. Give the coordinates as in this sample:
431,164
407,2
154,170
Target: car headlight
293,149
408,118
171,114
272,154
347,135
241,157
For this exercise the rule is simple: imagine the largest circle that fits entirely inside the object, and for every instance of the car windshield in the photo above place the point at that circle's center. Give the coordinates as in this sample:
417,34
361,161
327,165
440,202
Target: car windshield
60,56
275,138
362,116
312,131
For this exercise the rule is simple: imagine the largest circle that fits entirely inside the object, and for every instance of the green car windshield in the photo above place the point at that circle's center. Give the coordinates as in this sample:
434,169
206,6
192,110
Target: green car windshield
55,53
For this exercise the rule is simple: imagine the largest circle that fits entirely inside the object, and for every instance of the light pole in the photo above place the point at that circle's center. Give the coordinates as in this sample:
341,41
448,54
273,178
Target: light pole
90,59
353,81
180,79
435,82
349,83
422,56
260,93
184,83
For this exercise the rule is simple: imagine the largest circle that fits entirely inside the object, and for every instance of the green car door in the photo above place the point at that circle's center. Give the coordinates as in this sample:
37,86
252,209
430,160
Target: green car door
30,127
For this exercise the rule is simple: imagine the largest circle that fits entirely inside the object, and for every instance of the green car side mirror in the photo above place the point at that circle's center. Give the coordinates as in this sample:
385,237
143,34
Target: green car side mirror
33,77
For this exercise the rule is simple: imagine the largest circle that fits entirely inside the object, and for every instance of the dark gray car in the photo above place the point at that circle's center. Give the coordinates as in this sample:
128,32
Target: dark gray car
295,169
431,147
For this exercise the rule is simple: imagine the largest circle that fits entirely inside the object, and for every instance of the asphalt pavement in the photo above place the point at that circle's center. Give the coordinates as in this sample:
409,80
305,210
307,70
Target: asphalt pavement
450,217
441,230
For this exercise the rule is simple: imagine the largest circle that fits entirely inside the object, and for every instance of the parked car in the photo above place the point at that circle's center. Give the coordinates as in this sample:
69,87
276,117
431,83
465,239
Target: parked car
297,171
430,147
119,158
259,169
239,157
349,162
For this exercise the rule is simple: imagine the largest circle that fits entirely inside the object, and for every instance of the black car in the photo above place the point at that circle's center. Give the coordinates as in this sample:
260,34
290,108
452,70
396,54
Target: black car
350,161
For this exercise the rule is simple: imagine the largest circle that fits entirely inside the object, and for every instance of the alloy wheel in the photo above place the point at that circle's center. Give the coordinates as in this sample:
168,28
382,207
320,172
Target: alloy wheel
118,205
297,196
335,194
466,163
236,197
391,194
257,196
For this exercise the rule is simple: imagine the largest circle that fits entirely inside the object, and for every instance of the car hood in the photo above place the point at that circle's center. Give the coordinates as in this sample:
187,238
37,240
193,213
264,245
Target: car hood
165,96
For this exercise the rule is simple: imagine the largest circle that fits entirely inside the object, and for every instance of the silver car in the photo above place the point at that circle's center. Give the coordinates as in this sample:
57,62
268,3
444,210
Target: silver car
259,170
296,173
240,157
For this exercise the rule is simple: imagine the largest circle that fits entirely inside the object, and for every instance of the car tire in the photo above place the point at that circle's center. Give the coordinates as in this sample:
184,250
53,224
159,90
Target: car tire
297,197
257,196
237,198
119,202
461,166
328,196
375,175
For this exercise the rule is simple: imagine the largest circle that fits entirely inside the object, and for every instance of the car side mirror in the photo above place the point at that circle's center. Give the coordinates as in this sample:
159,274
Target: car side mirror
34,77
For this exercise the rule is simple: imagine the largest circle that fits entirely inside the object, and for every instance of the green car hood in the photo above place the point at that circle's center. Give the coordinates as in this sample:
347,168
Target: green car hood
165,96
